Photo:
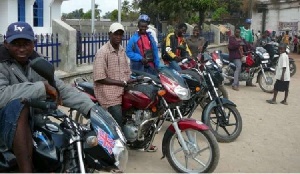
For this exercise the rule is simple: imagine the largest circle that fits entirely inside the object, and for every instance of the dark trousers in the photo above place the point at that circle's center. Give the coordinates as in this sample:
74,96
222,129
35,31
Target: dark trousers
116,112
139,66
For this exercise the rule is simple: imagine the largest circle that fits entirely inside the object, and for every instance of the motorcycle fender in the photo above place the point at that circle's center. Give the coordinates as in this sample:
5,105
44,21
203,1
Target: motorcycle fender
184,123
291,59
209,106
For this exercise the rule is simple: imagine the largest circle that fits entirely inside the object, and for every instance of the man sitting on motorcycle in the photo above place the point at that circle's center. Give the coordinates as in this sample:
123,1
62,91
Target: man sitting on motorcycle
142,49
111,74
172,53
17,81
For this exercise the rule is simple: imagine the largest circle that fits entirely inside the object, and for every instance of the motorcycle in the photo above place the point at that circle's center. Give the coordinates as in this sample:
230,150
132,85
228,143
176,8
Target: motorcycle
188,66
255,62
218,112
148,103
65,146
272,49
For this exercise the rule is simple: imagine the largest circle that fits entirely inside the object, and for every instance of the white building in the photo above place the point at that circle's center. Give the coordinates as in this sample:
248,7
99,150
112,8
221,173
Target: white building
38,13
279,16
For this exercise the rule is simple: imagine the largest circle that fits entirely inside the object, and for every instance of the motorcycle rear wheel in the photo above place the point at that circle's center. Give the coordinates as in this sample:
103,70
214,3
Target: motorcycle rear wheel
204,150
292,68
267,86
224,130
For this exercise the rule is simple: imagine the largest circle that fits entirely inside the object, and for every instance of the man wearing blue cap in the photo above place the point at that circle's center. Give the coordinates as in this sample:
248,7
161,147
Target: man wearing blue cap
17,81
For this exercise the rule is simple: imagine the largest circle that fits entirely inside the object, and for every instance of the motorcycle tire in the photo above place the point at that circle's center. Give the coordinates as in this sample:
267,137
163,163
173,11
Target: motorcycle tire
267,86
177,157
222,92
292,68
222,130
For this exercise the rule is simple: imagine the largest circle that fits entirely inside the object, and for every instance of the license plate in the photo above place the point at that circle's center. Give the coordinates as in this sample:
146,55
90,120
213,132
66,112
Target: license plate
264,61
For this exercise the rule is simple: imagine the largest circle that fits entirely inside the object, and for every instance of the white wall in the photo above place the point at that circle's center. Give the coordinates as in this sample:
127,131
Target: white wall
285,12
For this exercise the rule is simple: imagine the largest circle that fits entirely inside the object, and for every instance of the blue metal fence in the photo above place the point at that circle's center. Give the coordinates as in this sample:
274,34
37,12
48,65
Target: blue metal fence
88,44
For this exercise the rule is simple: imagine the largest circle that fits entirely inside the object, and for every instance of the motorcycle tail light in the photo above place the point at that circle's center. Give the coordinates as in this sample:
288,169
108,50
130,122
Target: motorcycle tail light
197,89
161,92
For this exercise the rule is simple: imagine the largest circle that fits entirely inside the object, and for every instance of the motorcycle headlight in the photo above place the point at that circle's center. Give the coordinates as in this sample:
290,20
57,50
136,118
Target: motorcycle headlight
182,93
121,155
266,55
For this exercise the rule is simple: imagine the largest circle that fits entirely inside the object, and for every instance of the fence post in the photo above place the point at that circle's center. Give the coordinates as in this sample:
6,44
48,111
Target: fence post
67,50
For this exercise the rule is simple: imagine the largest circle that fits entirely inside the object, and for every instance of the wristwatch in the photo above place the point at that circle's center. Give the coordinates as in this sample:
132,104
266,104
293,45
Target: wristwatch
125,83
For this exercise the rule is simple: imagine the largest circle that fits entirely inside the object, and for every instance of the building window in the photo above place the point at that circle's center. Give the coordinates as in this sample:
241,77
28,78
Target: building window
38,13
21,10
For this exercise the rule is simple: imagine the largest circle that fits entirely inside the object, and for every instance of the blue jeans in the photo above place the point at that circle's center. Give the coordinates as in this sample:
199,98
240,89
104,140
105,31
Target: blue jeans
238,65
9,116
139,66
174,65
116,113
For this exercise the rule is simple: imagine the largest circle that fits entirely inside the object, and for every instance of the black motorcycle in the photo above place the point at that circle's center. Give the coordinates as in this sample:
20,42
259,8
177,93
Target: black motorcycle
64,146
256,62
220,114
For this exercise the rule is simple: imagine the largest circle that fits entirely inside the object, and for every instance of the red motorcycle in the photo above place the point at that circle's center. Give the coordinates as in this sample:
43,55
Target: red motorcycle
188,144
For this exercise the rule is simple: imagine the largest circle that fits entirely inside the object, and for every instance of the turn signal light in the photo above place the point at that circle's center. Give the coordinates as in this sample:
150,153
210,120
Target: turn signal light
154,109
161,92
198,89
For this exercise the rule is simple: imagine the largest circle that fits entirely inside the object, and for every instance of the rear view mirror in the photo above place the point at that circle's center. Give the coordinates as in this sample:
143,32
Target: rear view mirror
44,69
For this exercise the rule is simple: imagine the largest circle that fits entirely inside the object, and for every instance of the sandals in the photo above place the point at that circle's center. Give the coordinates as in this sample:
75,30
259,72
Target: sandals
284,102
271,101
151,149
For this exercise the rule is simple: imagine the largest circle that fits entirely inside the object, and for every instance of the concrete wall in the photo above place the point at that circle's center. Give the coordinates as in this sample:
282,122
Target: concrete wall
282,12
67,50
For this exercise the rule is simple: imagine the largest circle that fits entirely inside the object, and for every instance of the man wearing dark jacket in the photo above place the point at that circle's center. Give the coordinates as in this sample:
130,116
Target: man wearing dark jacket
18,80
172,52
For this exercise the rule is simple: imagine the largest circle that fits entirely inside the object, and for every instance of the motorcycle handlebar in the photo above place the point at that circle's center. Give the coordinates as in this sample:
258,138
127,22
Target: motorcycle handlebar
45,105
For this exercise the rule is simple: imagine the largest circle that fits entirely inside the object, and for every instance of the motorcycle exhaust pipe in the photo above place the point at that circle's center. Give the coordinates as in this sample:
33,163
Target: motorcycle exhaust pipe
228,77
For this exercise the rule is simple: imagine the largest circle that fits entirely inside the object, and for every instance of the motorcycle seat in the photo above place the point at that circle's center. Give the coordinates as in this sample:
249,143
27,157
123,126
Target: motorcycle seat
87,87
141,73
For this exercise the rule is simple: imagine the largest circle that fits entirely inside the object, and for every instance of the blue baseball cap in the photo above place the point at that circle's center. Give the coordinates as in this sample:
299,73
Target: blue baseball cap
19,30
248,21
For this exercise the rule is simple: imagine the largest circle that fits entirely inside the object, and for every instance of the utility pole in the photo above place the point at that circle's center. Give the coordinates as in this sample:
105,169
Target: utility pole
250,9
93,16
119,11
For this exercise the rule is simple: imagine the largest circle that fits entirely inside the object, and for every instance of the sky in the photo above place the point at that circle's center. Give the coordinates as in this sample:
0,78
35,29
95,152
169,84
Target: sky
104,5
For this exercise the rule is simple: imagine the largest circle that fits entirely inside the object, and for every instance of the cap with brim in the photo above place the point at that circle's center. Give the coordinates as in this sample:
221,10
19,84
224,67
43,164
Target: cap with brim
19,30
115,27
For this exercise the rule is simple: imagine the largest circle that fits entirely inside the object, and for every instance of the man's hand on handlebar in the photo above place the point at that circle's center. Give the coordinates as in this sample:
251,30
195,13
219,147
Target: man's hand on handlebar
52,92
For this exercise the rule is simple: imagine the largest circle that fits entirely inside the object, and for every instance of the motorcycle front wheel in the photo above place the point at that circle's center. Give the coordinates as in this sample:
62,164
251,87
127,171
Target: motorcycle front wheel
226,128
222,92
204,152
267,85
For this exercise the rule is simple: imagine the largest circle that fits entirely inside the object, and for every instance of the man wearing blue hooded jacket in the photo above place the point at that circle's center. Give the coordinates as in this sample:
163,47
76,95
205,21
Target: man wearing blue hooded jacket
142,49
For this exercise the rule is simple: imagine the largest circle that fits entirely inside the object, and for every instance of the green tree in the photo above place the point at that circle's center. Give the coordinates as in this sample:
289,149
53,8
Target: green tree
88,14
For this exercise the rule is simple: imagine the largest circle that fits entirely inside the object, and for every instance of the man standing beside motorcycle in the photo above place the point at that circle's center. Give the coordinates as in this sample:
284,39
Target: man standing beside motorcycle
142,49
18,81
171,53
247,35
235,48
111,74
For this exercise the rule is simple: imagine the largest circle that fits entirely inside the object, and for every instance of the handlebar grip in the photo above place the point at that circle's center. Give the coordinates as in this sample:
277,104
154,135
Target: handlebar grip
40,104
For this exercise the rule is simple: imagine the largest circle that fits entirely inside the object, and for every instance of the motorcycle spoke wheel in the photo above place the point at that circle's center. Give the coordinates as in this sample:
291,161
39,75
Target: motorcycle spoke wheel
225,128
268,84
203,152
